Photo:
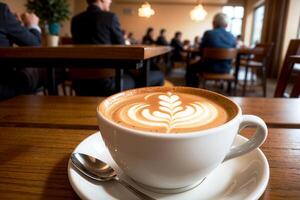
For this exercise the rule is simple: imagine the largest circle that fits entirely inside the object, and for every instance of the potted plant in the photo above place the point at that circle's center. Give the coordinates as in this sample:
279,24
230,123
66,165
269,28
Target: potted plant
51,13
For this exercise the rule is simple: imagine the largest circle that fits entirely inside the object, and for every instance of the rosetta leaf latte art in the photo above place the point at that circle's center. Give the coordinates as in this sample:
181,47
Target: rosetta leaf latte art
167,111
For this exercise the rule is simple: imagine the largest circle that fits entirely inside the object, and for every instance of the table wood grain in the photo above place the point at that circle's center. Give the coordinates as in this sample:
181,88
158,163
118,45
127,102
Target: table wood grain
80,112
34,162
122,52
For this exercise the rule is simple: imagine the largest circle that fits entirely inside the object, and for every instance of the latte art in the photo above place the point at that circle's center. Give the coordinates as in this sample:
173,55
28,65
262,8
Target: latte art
168,112
171,113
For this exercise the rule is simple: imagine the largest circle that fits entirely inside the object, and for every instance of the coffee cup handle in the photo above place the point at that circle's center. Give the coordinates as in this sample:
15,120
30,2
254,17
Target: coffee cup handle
254,142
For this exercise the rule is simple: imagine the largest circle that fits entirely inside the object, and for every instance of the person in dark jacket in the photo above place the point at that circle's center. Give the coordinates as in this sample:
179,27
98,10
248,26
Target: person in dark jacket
178,47
148,38
216,38
97,25
26,32
161,39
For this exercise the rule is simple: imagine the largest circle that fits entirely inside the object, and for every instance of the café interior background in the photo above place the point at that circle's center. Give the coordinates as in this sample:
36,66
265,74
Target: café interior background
173,15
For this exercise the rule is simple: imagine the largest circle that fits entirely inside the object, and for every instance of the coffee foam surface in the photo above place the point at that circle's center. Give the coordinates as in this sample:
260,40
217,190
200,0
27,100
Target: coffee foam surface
167,112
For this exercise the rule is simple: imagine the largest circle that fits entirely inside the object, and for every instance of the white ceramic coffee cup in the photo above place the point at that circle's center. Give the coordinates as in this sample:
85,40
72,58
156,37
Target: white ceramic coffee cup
169,162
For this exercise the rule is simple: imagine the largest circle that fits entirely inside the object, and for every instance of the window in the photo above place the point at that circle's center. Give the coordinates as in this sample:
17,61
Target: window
235,15
299,30
258,20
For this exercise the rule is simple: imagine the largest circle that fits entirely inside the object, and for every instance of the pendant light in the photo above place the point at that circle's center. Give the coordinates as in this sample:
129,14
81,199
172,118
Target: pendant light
198,13
145,10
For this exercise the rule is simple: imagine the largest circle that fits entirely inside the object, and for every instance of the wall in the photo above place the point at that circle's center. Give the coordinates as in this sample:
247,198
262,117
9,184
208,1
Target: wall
171,17
16,6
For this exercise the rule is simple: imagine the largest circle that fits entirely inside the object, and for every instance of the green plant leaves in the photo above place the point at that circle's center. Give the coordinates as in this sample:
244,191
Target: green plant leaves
49,11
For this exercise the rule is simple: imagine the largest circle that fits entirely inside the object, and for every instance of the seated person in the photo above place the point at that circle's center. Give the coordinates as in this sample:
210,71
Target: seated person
161,39
131,39
97,25
196,44
186,44
239,42
148,38
125,36
156,77
15,82
216,38
178,47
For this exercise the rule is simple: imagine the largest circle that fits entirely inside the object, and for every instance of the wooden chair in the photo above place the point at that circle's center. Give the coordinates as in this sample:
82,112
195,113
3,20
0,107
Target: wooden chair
287,69
219,54
81,73
260,62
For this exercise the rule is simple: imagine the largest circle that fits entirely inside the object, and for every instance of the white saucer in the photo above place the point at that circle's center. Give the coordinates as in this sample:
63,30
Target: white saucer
245,177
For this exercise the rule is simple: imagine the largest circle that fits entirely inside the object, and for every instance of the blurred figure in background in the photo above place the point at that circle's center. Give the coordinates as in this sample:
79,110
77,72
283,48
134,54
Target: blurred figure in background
166,59
178,47
131,39
239,42
216,38
97,25
161,39
196,44
186,44
125,36
148,38
21,32
156,76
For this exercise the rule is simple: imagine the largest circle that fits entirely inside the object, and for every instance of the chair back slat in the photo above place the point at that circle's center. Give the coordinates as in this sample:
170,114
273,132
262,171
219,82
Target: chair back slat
287,68
265,53
219,53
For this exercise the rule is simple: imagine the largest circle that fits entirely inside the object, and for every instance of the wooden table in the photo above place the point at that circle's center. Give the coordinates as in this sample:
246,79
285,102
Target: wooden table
38,134
80,112
34,163
119,57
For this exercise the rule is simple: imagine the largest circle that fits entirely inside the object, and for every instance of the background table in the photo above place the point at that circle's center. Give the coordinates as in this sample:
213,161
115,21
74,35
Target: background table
80,112
119,57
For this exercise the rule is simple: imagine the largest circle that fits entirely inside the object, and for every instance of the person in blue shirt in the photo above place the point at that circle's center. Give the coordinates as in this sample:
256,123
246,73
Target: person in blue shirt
216,38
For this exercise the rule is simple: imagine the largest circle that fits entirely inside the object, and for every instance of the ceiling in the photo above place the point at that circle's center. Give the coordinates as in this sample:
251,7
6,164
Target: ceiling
215,2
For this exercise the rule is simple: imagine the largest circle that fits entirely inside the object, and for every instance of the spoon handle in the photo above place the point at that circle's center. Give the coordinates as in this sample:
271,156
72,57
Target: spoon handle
138,193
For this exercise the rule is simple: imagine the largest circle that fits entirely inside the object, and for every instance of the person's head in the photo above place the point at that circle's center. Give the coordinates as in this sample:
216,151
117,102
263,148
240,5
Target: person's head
220,20
130,35
178,35
150,32
103,4
239,37
162,32
197,39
